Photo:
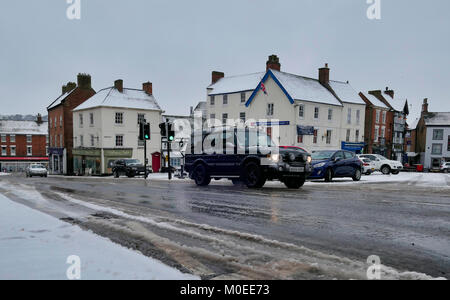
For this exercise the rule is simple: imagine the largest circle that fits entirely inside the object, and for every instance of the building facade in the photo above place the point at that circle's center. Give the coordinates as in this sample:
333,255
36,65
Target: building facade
433,138
106,128
60,123
23,143
314,114
378,126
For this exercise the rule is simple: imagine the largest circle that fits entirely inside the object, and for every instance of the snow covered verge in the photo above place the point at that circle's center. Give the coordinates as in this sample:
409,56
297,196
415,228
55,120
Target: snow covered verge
34,245
438,180
4,174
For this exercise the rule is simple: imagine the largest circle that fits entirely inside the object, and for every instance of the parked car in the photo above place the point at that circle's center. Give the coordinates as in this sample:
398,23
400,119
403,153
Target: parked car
445,167
129,168
368,166
383,164
247,156
36,170
329,164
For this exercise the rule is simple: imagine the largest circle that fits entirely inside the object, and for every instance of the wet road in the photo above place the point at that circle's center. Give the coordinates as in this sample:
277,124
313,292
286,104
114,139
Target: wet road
226,231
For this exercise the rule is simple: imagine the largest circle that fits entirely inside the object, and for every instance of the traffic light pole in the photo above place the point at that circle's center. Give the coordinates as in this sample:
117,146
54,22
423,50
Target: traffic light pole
168,151
145,159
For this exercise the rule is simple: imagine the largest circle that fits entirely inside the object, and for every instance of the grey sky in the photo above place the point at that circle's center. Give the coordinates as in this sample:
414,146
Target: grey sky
176,45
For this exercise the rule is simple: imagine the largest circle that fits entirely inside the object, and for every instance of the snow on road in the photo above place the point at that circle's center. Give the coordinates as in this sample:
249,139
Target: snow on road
438,180
34,245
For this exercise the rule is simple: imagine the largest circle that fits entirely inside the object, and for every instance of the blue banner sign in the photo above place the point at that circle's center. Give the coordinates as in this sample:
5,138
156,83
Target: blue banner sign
281,123
305,130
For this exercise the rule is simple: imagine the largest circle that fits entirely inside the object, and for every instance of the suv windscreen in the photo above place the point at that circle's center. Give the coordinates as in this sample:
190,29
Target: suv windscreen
131,162
254,138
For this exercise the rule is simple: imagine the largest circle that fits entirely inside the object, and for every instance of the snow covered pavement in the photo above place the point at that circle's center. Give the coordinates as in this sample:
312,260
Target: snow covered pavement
34,245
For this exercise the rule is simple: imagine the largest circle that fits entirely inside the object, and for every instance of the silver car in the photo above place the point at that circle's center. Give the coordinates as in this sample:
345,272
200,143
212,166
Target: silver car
36,170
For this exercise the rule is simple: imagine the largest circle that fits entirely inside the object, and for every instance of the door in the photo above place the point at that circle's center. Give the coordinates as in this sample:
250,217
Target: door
156,162
339,166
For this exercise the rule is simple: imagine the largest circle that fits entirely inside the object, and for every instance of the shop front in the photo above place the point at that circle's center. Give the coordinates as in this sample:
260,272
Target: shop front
57,161
96,161
87,162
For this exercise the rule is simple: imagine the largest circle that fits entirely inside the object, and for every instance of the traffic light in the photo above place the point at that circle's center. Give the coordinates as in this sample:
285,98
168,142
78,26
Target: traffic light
141,131
171,136
147,131
163,129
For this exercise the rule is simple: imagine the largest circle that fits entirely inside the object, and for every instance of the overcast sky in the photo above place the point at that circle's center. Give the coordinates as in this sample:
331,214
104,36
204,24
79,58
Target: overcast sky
176,45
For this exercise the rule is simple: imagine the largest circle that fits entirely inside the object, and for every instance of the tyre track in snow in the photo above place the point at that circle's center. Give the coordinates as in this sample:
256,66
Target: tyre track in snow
208,248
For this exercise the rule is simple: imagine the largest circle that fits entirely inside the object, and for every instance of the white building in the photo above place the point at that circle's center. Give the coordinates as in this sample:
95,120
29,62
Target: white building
311,113
106,128
437,149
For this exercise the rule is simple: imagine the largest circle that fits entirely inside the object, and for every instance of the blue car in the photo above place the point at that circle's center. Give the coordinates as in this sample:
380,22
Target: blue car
329,164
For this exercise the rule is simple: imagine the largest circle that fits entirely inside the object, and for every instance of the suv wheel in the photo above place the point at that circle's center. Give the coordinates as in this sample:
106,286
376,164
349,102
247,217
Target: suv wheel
357,176
329,176
294,182
201,176
386,170
254,177
116,174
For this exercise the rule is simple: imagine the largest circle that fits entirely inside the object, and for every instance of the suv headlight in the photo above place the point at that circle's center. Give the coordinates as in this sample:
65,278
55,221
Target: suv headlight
274,157
309,159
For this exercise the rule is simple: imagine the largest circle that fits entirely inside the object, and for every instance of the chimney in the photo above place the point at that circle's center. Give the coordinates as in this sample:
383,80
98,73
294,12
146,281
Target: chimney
148,88
68,87
39,119
389,92
118,85
216,76
425,106
324,75
84,81
273,63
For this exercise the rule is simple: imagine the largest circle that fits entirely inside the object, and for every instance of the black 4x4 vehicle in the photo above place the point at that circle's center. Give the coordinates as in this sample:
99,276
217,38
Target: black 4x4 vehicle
248,156
129,167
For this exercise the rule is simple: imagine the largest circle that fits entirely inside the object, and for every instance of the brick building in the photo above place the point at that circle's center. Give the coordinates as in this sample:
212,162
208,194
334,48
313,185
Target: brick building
22,143
386,124
60,123
378,126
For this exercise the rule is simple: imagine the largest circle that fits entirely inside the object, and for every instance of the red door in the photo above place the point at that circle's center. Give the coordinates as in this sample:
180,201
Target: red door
156,162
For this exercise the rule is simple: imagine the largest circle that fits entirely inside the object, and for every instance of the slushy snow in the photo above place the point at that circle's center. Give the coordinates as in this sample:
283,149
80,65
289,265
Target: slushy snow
34,245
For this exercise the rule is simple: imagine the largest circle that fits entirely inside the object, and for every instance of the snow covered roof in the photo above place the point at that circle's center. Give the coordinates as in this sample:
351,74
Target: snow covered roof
23,128
129,98
306,89
413,124
397,103
234,84
345,92
59,100
438,119
374,100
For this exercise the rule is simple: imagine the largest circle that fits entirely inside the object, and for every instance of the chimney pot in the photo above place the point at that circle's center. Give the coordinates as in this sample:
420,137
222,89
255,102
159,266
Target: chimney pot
216,76
324,75
118,85
39,119
273,63
148,88
84,81
425,106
